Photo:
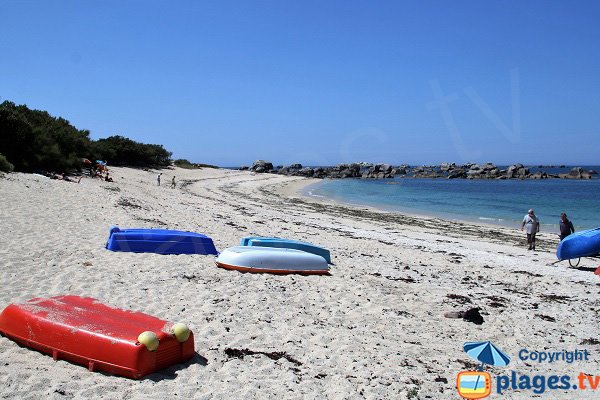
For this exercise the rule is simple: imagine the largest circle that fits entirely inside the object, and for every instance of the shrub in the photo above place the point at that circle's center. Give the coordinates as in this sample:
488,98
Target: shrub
183,163
34,140
5,165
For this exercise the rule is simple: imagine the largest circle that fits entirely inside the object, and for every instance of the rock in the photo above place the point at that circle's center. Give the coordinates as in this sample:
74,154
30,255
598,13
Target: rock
244,168
493,173
428,174
261,166
471,315
576,173
446,167
377,171
458,173
517,171
539,175
355,168
522,173
308,172
293,169
319,173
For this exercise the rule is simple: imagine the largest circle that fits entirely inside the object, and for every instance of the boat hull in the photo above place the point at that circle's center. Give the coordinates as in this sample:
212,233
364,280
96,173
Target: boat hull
160,241
286,244
84,331
579,244
272,260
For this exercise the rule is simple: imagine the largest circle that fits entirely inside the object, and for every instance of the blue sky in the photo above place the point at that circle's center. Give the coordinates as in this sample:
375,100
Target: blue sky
316,82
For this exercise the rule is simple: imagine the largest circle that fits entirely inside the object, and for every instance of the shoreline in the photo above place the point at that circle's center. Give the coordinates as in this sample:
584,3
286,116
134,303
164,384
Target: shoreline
545,228
374,328
296,190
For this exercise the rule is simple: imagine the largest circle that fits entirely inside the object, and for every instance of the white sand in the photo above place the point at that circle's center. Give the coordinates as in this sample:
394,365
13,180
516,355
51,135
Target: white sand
373,329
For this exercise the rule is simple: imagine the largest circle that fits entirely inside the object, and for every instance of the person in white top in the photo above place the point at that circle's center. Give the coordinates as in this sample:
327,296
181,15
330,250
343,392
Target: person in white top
532,224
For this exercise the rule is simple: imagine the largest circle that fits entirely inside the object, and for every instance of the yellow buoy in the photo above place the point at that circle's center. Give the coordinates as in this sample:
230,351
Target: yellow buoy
148,339
181,332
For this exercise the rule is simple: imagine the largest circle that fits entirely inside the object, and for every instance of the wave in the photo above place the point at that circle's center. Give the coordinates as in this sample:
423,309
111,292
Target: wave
311,194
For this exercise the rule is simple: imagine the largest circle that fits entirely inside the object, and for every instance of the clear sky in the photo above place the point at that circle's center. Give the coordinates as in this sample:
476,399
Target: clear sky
316,82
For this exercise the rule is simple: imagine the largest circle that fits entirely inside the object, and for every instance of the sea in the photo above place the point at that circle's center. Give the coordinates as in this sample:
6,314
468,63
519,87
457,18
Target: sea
499,202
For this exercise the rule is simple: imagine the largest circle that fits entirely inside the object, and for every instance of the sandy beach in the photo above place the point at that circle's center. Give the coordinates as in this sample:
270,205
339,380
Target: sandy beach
374,329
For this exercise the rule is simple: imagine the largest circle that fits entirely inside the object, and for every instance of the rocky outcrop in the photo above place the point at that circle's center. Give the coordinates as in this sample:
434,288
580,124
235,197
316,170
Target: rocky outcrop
261,166
539,175
576,173
293,169
379,171
517,171
444,170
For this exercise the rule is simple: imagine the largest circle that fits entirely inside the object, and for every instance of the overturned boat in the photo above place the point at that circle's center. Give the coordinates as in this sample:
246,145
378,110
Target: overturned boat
272,260
286,244
160,241
84,331
579,244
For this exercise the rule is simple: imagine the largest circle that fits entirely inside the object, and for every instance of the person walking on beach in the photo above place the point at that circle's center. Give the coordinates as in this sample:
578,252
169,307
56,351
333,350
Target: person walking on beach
158,179
532,224
173,183
566,226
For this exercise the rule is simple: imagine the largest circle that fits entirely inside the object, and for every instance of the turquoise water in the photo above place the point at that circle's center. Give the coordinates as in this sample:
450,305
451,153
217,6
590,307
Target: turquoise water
503,202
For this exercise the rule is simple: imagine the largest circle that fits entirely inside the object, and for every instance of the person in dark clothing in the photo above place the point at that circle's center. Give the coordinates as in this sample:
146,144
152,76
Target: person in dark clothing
566,226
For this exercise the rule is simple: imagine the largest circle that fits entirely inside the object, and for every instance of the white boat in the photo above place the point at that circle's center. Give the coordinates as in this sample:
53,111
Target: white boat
286,244
272,260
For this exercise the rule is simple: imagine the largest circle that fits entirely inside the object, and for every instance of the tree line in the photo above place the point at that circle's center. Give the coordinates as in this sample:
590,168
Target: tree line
33,140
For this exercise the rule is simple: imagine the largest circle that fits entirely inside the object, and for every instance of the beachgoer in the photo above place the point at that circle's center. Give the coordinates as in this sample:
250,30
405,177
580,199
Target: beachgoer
107,178
566,226
158,179
173,183
531,222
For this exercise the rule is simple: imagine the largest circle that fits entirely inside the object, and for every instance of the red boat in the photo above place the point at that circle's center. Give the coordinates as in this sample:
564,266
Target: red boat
84,331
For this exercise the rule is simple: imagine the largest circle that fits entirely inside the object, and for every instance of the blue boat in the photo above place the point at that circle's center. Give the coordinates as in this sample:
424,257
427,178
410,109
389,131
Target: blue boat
161,241
286,244
579,244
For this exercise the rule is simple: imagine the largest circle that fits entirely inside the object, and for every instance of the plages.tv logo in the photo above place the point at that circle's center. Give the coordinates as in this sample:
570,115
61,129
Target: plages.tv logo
478,384
474,384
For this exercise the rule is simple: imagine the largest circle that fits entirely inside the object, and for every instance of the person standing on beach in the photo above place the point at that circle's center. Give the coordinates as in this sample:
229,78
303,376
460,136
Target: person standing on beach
173,183
531,222
566,226
158,179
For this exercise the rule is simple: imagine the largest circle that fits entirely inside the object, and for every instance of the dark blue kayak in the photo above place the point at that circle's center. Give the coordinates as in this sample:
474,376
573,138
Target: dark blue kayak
286,244
579,244
161,241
